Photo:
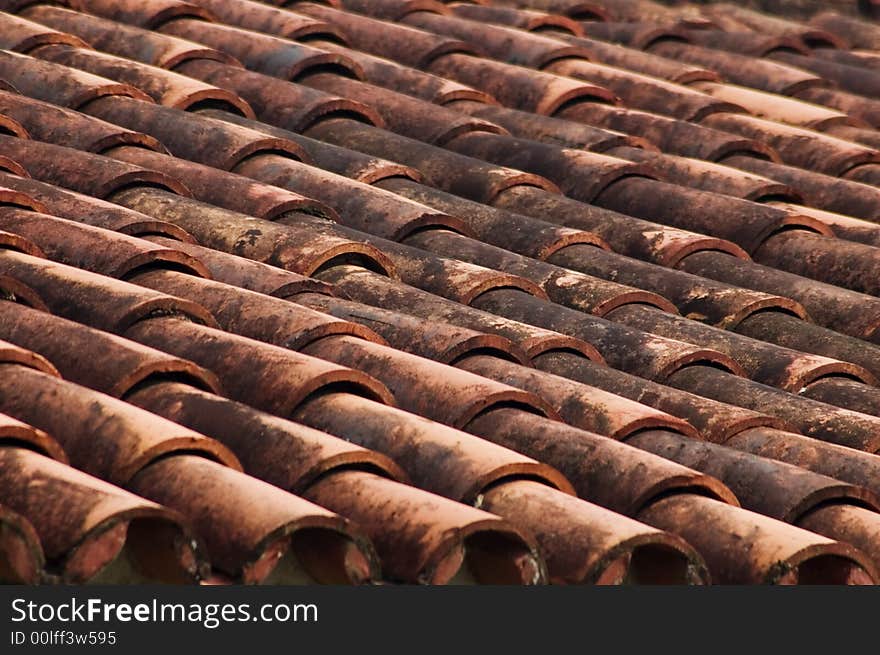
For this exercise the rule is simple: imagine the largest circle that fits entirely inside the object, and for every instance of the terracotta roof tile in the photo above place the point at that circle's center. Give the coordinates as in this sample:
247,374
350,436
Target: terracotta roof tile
77,170
579,174
270,20
695,297
856,33
303,247
811,418
843,393
797,146
647,93
277,379
869,174
124,365
371,209
845,227
455,402
636,33
83,523
393,9
93,248
588,10
612,54
529,90
402,114
859,107
17,243
409,46
454,279
789,493
57,84
221,188
441,460
850,524
625,234
763,362
632,350
776,108
253,314
670,135
222,144
514,46
564,286
429,539
843,310
12,354
271,55
819,190
581,406
715,421
835,261
21,35
551,130
290,455
16,433
357,165
392,75
247,273
708,176
830,459
276,101
598,546
101,435
92,211
126,41
746,42
165,87
742,69
746,223
149,13
465,176
44,120
23,557
94,299
444,342
863,135
802,553
520,234
526,19
849,78
591,462
372,289
805,336
253,530
726,15
6,164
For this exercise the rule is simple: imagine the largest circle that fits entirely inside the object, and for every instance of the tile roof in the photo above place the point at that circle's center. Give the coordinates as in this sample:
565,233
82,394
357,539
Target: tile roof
398,291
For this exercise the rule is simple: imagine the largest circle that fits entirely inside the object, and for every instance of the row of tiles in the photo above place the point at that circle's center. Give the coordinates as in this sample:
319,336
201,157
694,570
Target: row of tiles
451,465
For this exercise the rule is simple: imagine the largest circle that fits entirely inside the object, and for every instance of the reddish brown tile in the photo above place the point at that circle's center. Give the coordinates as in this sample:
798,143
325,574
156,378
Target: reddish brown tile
21,35
165,87
124,365
115,38
93,531
428,539
58,84
286,454
255,532
114,448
